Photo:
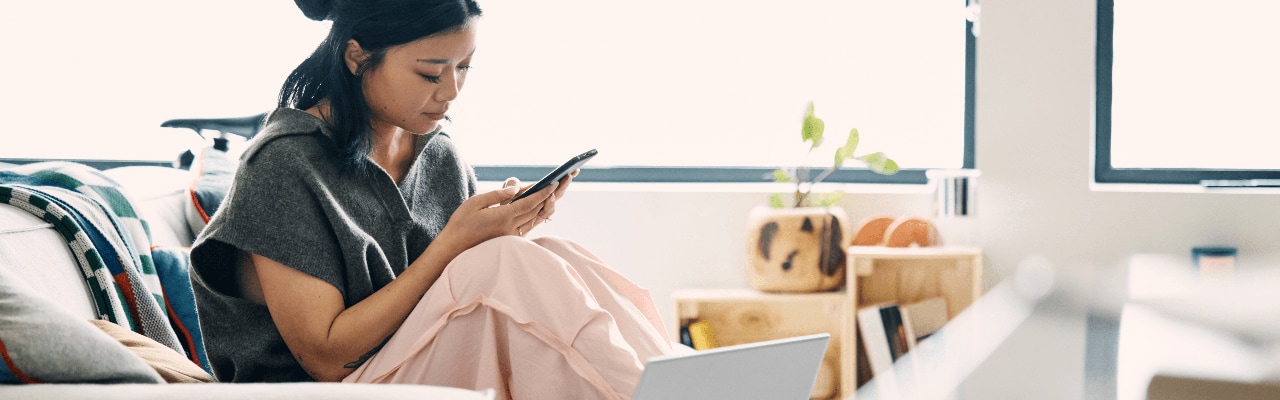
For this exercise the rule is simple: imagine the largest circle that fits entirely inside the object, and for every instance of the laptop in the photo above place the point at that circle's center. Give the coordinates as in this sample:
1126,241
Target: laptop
782,369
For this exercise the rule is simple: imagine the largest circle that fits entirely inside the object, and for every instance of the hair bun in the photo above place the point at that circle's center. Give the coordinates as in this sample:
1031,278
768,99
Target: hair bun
316,10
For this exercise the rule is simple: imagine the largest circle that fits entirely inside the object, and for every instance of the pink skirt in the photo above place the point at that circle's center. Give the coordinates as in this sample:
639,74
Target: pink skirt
531,319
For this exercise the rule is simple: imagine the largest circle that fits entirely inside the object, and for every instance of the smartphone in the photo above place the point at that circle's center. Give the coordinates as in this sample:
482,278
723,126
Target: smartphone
556,175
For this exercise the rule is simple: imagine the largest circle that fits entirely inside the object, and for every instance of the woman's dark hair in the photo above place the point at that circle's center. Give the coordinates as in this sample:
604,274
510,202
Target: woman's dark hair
376,25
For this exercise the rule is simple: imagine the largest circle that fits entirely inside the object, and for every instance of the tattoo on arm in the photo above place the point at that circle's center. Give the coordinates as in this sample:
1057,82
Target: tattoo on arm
367,356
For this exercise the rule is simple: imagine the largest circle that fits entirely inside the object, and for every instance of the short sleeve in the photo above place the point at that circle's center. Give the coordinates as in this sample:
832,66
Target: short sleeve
272,210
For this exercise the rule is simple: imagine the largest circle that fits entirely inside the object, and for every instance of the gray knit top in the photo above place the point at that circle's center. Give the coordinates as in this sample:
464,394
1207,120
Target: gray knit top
290,203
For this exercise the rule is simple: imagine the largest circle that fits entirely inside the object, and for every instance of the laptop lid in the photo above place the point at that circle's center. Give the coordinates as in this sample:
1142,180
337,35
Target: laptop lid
780,369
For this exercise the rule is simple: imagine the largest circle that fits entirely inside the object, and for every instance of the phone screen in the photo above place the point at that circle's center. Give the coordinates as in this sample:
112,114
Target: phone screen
556,174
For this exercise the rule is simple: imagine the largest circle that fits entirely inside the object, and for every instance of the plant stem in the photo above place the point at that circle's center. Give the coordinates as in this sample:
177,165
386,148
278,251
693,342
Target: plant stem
824,175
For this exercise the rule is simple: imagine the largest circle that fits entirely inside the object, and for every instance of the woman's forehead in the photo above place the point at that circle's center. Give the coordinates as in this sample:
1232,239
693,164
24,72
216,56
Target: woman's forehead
445,48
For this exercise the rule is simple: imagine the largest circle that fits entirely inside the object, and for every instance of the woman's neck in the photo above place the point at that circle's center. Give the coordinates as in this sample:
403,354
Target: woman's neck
393,148
394,152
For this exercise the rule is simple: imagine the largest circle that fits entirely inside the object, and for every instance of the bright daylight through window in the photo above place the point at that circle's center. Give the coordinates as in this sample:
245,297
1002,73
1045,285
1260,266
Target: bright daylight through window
707,85
1187,91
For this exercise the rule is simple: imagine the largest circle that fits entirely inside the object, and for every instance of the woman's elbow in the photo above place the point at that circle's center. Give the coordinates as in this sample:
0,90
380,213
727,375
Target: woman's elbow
329,374
323,369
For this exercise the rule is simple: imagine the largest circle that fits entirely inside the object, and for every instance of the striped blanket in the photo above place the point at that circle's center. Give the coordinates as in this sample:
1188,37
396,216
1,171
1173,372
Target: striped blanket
132,284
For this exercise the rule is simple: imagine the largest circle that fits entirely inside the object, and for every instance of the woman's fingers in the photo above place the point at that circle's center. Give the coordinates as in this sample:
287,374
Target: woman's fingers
526,228
526,211
548,208
511,182
564,183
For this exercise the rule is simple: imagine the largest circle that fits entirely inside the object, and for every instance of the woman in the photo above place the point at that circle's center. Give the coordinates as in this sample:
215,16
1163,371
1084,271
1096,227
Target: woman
353,245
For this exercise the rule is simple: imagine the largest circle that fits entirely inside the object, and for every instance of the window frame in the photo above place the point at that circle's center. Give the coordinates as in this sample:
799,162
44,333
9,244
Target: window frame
1103,170
677,174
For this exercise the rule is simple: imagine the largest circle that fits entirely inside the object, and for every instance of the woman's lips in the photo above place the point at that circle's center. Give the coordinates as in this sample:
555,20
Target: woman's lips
435,116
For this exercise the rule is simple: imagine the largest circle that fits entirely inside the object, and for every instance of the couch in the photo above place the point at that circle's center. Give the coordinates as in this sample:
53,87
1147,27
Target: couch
38,270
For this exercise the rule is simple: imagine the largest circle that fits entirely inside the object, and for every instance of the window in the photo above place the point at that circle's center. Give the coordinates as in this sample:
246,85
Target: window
94,79
667,90
714,90
1186,92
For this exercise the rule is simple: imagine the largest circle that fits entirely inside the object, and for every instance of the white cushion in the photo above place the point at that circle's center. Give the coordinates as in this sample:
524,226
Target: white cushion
45,345
36,253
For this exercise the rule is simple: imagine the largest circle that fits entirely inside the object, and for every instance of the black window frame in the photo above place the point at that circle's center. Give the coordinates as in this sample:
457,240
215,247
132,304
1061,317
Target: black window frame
1106,173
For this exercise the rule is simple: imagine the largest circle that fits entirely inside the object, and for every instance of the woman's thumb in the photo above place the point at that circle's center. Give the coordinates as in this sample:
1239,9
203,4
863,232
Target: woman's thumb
500,195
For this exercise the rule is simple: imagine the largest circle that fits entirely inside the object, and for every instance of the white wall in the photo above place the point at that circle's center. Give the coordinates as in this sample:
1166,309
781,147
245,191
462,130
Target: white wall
1034,117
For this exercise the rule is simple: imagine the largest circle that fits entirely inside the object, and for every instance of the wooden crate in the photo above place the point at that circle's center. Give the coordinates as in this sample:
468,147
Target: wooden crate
877,274
739,316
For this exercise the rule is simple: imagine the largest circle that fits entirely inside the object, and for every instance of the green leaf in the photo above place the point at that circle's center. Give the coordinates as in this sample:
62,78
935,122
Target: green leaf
811,128
775,201
890,167
781,175
826,199
879,163
846,151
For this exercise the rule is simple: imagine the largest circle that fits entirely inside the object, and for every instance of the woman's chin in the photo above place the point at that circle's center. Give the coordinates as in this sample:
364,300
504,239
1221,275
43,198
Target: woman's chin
424,128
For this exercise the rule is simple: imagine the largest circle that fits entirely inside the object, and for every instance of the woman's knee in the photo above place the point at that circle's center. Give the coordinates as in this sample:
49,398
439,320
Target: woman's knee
563,247
554,242
498,256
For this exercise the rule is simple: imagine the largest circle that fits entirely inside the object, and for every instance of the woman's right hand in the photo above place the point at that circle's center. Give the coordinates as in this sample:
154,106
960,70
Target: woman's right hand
483,217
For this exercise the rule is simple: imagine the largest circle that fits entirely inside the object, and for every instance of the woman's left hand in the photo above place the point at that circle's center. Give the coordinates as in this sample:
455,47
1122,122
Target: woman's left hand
548,208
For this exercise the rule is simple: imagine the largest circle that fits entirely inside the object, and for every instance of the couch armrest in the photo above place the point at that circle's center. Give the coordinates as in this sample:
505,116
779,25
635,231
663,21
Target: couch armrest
334,391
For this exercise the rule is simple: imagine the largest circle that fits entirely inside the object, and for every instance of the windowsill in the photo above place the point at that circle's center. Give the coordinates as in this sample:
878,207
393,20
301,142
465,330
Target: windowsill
1166,188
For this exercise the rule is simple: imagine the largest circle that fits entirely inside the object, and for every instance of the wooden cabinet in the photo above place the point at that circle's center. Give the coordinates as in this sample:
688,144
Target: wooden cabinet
874,275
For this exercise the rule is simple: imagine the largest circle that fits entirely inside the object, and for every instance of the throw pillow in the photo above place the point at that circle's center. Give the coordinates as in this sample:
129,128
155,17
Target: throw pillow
40,342
168,363
213,170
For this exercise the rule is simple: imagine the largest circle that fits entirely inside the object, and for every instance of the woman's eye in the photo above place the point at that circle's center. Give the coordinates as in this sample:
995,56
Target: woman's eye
464,68
431,78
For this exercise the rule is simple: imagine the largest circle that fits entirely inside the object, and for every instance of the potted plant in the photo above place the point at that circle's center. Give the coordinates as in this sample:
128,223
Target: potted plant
797,243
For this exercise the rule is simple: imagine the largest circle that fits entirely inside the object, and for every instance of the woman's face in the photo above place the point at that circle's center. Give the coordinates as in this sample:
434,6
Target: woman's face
413,86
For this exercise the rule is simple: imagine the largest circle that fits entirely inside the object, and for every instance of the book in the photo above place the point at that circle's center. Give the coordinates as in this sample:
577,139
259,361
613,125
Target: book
874,341
924,317
702,336
897,334
685,338
885,335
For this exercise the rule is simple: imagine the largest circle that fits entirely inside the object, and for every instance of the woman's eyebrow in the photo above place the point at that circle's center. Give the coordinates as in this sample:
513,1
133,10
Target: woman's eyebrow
442,60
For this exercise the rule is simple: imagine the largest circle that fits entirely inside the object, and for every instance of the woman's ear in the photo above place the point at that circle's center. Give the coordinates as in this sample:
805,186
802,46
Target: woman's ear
353,56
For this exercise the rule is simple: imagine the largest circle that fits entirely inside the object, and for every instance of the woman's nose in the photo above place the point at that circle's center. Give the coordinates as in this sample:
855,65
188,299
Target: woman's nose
448,89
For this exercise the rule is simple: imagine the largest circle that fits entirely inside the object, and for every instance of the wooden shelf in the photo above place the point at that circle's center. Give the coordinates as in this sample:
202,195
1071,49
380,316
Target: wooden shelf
904,275
739,316
873,275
